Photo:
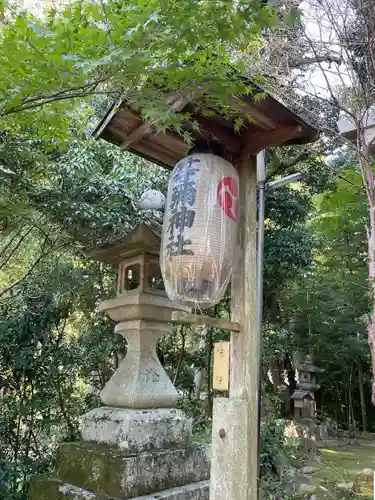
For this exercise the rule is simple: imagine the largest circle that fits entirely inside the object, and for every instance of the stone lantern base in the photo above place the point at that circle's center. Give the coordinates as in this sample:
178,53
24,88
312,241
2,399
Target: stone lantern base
129,454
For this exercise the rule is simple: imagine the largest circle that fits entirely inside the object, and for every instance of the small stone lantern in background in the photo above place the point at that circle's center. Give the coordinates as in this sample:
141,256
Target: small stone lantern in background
303,396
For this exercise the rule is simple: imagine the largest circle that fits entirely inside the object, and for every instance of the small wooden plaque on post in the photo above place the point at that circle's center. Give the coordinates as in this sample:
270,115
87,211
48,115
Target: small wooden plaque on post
221,366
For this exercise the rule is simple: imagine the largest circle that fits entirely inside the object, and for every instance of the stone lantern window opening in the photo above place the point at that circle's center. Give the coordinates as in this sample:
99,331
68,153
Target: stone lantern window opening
140,274
132,277
154,281
129,276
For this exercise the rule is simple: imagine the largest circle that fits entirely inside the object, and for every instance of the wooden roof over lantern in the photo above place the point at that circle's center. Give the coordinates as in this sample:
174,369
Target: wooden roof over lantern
272,124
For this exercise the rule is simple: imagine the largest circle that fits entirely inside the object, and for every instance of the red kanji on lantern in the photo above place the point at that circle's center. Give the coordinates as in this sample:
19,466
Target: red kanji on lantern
227,196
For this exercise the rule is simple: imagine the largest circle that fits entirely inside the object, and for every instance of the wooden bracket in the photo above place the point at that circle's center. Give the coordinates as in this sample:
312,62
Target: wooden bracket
258,142
175,101
193,319
219,133
250,109
137,135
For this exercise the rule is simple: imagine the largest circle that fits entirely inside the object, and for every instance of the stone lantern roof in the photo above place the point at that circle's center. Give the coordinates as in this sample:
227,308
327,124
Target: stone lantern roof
307,365
300,395
348,127
142,238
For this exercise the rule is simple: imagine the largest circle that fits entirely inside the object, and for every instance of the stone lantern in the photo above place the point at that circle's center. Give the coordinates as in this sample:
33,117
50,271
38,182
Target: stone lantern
303,396
138,446
366,119
142,312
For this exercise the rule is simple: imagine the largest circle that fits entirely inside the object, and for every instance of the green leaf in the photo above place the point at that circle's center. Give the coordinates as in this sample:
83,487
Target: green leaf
259,96
238,124
293,16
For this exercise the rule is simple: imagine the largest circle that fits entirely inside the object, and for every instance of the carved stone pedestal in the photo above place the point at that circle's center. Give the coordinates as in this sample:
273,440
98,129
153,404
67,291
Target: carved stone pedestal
140,381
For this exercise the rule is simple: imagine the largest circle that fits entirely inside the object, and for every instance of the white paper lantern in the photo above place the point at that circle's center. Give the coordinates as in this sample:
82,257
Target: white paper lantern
200,229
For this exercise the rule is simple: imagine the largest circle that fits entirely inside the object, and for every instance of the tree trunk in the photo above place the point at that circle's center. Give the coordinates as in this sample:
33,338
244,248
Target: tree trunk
350,400
347,414
362,396
369,184
371,326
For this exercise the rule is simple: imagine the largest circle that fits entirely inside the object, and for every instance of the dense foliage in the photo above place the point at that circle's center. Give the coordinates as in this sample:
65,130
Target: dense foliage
138,49
53,342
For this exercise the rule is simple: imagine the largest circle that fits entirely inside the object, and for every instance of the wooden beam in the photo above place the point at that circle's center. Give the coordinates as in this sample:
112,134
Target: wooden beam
127,119
258,116
169,141
193,319
229,450
163,153
137,135
235,420
125,110
157,153
107,119
254,143
172,141
229,142
115,129
175,101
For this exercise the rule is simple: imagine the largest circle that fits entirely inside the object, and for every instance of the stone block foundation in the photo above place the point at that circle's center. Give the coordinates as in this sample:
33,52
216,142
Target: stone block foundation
130,455
49,488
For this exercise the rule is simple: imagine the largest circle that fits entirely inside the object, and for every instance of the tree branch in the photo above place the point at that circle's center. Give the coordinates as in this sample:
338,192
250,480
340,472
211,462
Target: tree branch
282,167
14,250
307,61
56,98
30,270
87,87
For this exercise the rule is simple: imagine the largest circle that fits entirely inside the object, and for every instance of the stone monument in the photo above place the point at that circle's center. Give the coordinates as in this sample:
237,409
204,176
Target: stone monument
303,396
137,446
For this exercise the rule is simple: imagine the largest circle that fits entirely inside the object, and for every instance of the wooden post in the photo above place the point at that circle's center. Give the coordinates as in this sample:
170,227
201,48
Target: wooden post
246,346
237,416
229,473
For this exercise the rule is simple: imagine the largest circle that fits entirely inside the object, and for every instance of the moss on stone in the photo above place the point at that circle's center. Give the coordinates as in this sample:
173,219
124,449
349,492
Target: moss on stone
50,488
108,470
